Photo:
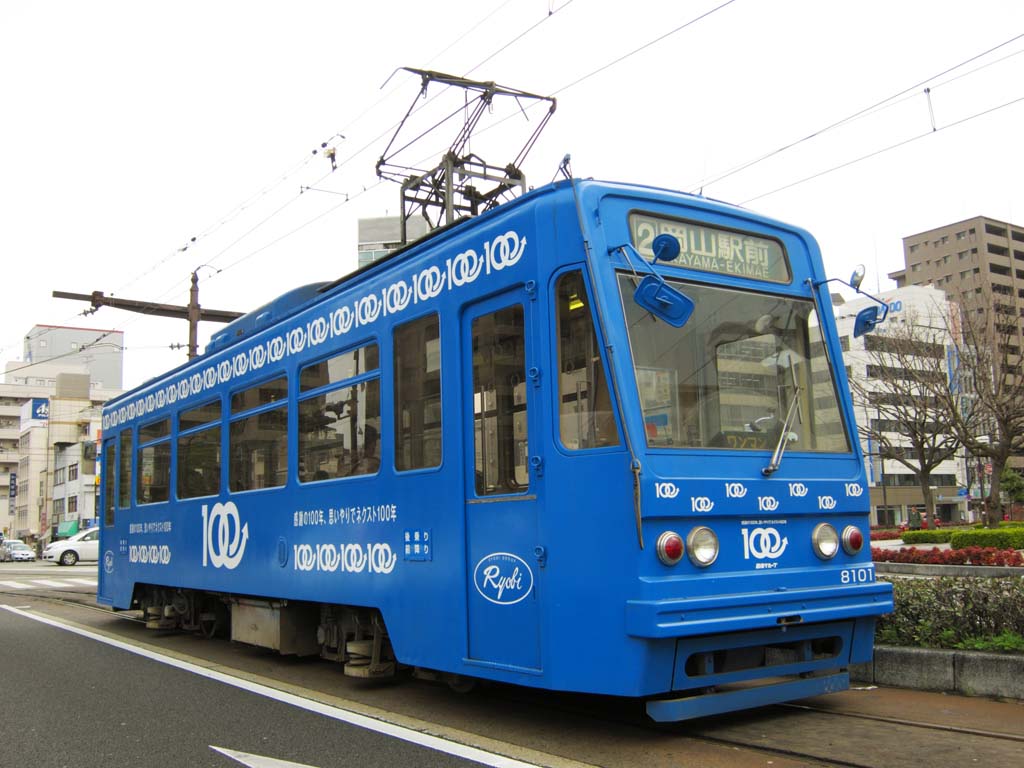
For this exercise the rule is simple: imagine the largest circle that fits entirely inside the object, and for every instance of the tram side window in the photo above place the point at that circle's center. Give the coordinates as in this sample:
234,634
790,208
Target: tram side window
199,451
124,470
153,479
258,441
107,468
586,418
339,426
499,402
417,372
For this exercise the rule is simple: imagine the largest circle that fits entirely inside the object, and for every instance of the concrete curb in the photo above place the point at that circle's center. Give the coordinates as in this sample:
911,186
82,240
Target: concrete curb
971,673
910,569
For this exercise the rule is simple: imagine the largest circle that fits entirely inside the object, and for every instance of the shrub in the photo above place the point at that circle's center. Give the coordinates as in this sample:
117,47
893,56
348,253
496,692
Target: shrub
927,537
947,611
1003,538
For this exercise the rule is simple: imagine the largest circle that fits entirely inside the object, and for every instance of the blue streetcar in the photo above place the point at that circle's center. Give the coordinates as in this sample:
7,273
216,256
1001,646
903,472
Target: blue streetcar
598,439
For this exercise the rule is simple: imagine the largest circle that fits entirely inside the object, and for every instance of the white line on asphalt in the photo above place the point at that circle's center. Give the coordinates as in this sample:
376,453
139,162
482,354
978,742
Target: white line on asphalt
49,583
86,582
337,713
15,585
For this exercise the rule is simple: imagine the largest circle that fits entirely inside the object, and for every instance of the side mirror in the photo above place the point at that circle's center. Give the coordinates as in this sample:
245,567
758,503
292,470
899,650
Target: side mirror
866,321
663,301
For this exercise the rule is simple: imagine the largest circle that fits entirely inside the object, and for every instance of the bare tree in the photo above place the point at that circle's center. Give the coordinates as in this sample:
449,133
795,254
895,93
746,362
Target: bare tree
985,404
897,405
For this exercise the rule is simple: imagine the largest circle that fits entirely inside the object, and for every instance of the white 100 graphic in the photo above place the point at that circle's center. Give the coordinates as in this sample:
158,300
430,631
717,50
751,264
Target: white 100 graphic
346,558
224,536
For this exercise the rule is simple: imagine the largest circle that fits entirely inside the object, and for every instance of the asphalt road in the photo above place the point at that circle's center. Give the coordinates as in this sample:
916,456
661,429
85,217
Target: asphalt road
70,700
83,686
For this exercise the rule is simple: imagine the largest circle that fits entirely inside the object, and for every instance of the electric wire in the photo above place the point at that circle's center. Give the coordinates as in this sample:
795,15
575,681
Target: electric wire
849,118
883,150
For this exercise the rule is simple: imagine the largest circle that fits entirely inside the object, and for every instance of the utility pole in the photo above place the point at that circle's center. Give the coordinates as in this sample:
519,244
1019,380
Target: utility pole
193,312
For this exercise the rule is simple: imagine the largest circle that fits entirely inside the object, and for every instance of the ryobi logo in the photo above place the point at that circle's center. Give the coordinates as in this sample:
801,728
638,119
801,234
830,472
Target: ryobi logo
503,578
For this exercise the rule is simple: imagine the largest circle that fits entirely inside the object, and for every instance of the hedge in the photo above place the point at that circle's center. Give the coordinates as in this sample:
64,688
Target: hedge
1002,538
953,612
927,537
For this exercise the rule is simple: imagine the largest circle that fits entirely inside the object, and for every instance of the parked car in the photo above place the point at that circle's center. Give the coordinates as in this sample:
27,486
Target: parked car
17,551
84,545
5,547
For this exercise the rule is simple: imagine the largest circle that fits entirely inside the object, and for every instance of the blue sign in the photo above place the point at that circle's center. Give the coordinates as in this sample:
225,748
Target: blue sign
13,490
40,408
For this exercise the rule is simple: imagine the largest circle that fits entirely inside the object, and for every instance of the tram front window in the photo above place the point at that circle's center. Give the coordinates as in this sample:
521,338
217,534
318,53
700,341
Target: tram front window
745,368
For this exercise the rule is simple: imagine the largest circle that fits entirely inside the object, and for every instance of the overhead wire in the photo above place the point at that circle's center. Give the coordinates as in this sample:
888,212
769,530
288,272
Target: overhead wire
345,161
849,118
883,150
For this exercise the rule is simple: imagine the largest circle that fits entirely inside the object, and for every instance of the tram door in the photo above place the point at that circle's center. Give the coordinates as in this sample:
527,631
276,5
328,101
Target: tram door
501,492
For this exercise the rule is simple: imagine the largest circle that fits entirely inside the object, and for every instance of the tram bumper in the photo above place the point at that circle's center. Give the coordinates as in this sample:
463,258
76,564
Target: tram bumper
687,617
748,650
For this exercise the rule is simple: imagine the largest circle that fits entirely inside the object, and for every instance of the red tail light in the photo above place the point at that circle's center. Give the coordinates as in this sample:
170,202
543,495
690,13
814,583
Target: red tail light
670,548
853,540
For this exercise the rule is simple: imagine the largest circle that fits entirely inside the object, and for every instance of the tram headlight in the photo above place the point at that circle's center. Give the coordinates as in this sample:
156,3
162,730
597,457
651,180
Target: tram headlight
853,540
702,544
670,547
825,541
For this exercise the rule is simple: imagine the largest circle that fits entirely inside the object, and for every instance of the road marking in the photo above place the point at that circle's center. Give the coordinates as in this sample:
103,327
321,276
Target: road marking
258,761
379,725
50,583
15,585
86,582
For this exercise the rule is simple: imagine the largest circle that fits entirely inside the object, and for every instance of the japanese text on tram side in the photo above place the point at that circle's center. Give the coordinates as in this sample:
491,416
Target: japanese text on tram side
360,515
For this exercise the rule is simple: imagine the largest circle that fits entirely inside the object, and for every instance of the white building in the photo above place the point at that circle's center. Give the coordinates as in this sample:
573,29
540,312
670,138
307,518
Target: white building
895,491
49,427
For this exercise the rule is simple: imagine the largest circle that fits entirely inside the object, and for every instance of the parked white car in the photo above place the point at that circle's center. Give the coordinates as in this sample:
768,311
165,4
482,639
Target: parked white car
18,551
84,545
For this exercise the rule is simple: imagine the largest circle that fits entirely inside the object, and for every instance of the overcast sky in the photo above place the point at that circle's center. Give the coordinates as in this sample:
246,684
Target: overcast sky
129,128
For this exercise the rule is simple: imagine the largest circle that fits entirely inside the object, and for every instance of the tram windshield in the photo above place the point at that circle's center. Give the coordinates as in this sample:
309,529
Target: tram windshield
746,369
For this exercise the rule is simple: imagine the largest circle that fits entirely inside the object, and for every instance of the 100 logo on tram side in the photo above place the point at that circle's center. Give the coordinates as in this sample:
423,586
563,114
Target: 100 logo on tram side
224,536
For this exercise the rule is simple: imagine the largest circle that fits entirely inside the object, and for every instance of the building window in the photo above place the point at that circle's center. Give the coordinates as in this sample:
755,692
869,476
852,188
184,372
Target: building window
73,472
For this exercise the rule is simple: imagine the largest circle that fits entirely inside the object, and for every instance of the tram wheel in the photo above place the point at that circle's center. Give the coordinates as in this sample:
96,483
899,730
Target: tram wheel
214,619
460,683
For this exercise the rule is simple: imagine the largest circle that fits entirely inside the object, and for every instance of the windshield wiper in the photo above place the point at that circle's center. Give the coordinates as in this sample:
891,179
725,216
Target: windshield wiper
794,410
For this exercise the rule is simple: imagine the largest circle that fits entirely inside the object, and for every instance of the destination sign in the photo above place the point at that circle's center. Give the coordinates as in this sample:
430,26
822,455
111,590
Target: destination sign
709,249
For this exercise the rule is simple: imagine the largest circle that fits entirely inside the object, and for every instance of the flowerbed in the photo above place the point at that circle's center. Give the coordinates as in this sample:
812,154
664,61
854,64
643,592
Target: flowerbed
886,535
936,556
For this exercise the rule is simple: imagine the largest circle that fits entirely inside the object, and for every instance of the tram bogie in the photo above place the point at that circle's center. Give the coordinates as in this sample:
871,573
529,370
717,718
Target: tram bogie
494,456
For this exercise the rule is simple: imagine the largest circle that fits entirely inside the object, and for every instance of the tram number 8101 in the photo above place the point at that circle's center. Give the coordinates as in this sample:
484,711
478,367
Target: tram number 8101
857,575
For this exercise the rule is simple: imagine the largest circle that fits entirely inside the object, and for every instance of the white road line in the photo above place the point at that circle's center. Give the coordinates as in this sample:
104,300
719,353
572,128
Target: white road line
15,585
49,583
86,582
337,713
